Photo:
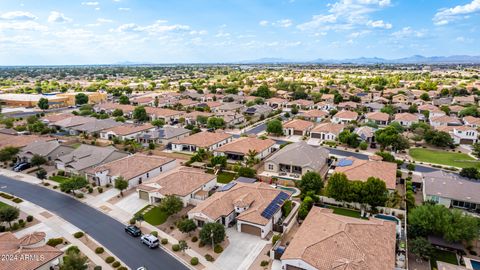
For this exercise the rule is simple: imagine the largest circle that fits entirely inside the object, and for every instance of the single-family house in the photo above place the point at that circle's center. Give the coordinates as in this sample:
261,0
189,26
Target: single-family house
276,103
464,100
378,118
242,148
254,207
405,119
359,169
258,110
47,149
444,120
87,156
329,241
126,131
471,121
326,131
202,140
190,185
296,159
135,169
451,190
164,135
314,115
297,127
365,133
344,117
461,134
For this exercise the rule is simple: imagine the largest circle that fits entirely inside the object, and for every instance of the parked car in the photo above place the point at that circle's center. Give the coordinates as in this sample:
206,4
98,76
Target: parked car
133,230
21,167
17,164
150,240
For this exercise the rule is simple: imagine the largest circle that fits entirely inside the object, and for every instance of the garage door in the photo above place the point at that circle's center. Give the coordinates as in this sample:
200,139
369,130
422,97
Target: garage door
297,132
251,230
316,135
290,267
466,141
143,195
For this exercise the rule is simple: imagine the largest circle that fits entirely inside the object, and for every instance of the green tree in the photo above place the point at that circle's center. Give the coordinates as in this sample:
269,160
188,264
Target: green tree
41,174
123,100
158,123
275,127
438,138
43,103
117,113
182,244
311,181
425,97
476,149
218,160
421,247
74,261
212,233
186,226
202,120
469,111
215,123
263,92
8,153
349,138
121,184
140,114
338,187
9,214
251,158
374,192
471,173
37,160
73,184
171,204
246,172
81,99
388,109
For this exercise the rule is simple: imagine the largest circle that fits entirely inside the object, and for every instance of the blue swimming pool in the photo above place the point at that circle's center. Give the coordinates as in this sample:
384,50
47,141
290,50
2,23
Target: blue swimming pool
387,217
475,264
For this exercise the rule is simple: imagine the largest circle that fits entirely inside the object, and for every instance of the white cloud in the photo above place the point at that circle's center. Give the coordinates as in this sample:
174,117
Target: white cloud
285,23
222,34
408,32
359,34
123,9
447,15
58,17
18,16
344,14
103,20
93,4
200,33
159,26
379,24
263,23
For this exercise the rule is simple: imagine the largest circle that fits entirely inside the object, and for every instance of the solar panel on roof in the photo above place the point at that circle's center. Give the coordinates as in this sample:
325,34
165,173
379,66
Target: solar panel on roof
273,207
344,162
228,186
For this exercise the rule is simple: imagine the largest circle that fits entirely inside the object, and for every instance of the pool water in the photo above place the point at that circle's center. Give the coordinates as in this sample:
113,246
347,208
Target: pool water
389,218
475,264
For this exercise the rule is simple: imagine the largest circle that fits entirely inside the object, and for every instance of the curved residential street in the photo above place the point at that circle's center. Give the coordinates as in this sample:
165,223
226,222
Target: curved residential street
106,230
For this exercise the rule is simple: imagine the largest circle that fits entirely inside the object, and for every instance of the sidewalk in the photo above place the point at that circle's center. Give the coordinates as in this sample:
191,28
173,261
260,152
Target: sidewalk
101,203
60,227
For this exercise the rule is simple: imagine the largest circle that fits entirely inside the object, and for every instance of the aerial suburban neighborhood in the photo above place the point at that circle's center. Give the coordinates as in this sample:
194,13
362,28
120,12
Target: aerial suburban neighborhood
360,163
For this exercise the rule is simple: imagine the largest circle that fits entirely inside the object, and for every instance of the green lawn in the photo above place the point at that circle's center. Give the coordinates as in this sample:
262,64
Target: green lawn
225,177
345,212
443,256
155,216
444,158
2,204
58,178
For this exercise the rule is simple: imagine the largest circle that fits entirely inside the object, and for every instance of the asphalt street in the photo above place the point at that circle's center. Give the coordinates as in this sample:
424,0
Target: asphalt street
106,230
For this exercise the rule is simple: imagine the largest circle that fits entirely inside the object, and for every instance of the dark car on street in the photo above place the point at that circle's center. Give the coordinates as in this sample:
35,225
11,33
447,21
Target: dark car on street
133,230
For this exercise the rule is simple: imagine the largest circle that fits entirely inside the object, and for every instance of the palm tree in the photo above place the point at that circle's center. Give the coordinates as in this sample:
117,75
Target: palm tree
252,157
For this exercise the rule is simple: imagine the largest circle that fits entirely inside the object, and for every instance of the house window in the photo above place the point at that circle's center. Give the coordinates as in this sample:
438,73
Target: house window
435,199
148,175
270,167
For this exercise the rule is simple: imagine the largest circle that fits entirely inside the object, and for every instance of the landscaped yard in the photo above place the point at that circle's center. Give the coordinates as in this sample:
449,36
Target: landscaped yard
225,177
345,212
2,204
58,178
443,256
460,160
155,216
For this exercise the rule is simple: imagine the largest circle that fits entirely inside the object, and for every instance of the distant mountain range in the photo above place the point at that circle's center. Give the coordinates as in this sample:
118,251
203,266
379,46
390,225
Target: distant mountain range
416,59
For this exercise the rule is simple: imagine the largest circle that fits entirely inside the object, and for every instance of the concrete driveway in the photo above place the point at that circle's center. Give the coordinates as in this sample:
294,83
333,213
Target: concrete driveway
241,252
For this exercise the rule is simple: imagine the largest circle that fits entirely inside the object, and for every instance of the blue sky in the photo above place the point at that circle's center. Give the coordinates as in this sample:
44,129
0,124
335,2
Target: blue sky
184,31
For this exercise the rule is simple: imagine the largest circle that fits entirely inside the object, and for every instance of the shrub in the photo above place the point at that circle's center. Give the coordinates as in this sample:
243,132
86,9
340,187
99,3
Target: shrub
53,242
410,167
115,264
122,268
2,228
90,190
97,267
132,221
263,263
201,244
15,226
99,250
164,241
194,239
175,247
61,173
17,200
21,221
209,258
73,249
275,238
55,187
109,259
194,261
100,190
46,184
154,233
473,252
218,249
363,145
78,234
